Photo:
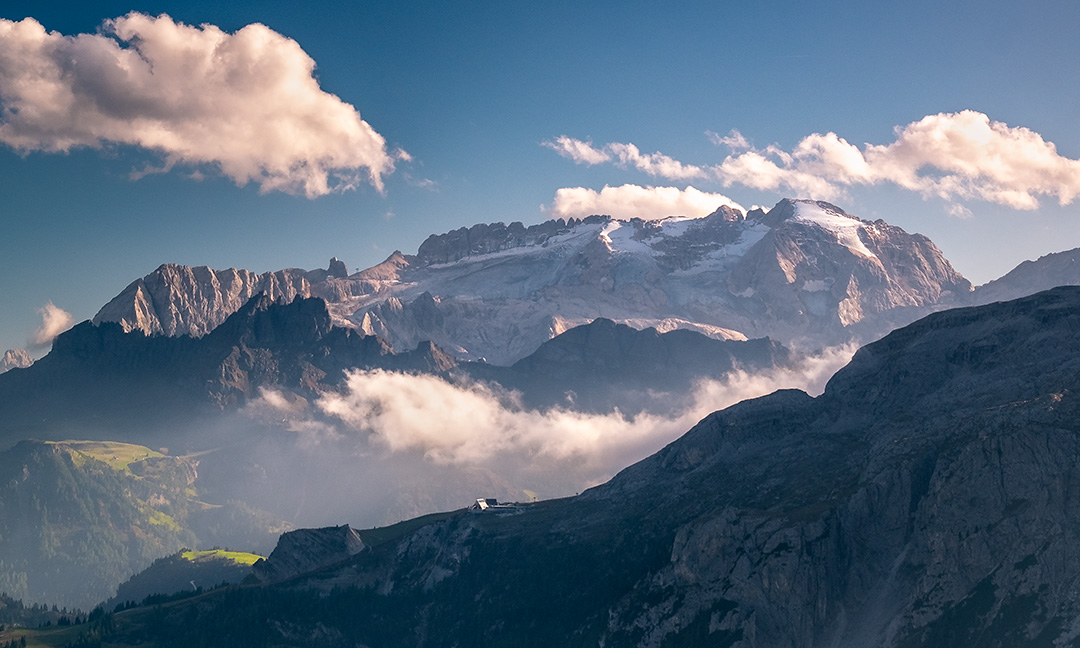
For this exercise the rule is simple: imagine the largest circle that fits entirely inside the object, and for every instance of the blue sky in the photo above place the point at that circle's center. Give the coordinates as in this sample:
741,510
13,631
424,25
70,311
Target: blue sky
473,91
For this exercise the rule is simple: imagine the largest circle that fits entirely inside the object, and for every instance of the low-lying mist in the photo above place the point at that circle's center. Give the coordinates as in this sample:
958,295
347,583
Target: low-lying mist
389,446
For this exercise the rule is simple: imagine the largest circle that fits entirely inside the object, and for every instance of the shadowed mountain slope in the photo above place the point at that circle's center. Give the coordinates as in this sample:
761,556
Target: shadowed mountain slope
930,497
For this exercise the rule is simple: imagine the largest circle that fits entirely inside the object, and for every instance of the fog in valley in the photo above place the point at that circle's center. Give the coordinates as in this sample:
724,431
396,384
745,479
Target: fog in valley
391,446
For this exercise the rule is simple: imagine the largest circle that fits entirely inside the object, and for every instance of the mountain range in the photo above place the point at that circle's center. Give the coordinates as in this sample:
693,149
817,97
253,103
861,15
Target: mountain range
498,361
191,393
926,498
802,269
98,372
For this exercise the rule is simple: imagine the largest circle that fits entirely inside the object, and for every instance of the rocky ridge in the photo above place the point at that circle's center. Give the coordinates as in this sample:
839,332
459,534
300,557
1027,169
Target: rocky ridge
177,300
306,550
1044,273
253,391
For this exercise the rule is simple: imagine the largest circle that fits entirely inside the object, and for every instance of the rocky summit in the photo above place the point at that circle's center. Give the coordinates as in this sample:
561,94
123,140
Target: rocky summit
928,498
802,270
305,550
15,359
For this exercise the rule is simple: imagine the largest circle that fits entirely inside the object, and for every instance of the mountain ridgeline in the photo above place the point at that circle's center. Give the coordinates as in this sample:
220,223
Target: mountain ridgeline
802,270
133,381
927,498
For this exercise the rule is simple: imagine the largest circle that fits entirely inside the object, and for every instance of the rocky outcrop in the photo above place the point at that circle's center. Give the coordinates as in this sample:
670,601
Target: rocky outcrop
484,239
177,300
306,550
927,498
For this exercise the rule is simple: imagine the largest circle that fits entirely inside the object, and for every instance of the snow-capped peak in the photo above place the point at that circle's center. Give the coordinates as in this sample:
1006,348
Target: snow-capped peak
843,226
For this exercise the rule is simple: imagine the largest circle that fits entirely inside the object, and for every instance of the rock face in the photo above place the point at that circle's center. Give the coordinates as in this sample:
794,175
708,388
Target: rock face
15,359
177,300
801,270
930,497
306,550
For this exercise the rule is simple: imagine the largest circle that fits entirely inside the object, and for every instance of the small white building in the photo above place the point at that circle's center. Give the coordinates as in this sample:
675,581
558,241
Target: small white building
490,504
484,503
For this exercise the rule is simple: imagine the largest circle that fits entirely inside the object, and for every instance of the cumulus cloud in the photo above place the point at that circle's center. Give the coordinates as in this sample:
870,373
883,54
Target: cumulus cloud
634,201
480,426
246,103
953,156
54,321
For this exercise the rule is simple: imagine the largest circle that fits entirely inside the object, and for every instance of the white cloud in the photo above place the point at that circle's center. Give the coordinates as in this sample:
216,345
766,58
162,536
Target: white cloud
755,169
473,424
633,201
577,150
957,210
54,321
246,103
734,140
656,164
953,156
971,156
624,155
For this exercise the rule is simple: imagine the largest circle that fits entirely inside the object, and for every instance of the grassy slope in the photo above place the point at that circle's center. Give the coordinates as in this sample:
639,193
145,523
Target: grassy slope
237,557
78,517
119,456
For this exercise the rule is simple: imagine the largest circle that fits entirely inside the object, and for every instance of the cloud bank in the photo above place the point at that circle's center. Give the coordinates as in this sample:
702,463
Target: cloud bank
476,425
54,321
246,103
634,201
953,156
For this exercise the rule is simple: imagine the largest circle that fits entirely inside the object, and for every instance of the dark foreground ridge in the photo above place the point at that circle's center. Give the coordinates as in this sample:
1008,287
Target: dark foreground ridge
931,497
